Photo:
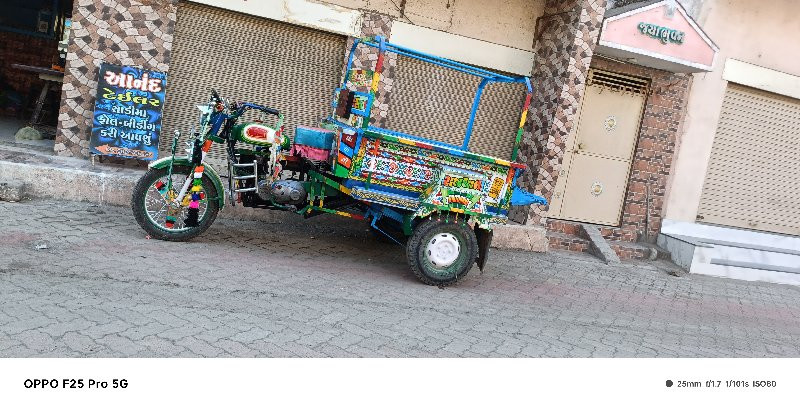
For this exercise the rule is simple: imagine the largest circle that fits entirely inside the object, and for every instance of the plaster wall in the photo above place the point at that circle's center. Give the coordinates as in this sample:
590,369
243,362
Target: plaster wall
759,33
504,22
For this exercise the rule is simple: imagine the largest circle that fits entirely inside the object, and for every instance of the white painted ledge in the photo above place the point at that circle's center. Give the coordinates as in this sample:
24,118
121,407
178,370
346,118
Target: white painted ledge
763,78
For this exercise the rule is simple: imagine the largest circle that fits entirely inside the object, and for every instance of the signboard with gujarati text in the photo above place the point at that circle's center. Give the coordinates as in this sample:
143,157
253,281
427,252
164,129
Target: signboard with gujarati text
127,112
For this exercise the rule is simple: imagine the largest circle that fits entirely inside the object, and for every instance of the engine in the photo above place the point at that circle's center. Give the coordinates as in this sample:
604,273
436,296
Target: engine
286,192
290,192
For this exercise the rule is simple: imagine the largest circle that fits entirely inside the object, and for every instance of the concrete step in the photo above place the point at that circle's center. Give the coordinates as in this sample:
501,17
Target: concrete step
733,253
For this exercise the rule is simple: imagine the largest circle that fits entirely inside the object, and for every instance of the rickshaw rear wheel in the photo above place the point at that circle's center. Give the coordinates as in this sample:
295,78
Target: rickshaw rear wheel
441,252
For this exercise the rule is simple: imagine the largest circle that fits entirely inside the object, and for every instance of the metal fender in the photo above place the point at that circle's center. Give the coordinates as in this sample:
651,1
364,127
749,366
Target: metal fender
521,197
164,162
484,237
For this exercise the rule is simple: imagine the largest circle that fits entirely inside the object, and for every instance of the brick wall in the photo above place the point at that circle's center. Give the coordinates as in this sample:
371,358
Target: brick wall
124,32
23,49
565,43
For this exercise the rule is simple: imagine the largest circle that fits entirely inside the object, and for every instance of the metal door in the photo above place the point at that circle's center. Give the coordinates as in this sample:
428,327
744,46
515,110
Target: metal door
591,185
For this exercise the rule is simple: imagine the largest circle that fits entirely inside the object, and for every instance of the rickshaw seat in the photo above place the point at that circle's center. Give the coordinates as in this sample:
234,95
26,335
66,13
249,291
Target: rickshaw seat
312,143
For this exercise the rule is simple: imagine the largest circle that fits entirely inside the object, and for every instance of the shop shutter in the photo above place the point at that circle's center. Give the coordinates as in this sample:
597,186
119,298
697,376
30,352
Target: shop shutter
755,163
291,68
434,102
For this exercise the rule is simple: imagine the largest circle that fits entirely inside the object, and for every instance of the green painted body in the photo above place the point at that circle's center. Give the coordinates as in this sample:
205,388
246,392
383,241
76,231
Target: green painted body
165,162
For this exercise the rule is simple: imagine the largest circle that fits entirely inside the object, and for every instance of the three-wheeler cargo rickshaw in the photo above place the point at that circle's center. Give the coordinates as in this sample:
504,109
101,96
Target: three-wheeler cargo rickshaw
437,200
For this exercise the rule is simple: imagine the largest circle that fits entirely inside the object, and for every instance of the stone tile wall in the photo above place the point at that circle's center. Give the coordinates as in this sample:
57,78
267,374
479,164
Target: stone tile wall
125,32
565,42
366,57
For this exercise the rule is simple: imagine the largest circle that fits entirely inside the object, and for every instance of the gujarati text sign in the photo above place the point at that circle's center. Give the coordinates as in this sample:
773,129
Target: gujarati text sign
127,112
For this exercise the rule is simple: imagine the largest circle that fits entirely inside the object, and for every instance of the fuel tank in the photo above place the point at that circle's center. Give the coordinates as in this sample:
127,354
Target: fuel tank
260,134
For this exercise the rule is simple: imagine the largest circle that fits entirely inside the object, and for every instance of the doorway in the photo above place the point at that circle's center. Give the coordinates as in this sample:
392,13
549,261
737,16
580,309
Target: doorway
594,175
33,46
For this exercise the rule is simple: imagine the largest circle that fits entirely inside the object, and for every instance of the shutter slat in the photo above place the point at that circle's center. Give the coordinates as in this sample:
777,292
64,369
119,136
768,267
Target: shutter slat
287,67
755,163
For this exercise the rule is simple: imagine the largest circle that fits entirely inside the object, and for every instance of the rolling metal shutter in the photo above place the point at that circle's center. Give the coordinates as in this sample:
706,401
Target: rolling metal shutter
434,102
290,68
755,163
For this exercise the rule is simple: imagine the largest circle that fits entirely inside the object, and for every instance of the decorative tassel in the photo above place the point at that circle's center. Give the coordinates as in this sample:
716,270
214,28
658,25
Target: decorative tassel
170,221
161,187
194,205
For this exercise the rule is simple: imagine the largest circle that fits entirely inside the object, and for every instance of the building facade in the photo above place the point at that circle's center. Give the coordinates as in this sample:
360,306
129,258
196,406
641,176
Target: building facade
732,207
599,137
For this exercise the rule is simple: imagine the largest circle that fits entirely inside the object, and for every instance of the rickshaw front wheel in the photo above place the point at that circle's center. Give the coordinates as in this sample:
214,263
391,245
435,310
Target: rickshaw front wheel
440,252
160,219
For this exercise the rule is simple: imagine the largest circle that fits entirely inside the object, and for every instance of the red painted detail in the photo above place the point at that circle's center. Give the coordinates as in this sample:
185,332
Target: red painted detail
159,185
349,139
280,131
345,161
379,63
256,132
527,102
519,165
423,145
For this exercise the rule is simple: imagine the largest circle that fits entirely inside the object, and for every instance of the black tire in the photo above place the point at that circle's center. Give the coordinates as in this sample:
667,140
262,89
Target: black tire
418,257
160,232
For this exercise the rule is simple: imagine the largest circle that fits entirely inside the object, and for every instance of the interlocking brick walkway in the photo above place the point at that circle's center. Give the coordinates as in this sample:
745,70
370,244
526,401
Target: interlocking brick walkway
325,288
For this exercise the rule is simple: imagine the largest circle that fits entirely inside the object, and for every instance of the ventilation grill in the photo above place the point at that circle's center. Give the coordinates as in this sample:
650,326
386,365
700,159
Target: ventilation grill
618,82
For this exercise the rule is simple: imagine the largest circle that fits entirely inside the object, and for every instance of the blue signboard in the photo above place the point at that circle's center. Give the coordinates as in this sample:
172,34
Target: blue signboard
127,112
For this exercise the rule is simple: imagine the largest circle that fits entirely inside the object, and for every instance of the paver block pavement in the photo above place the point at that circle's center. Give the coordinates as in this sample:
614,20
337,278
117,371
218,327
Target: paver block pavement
98,287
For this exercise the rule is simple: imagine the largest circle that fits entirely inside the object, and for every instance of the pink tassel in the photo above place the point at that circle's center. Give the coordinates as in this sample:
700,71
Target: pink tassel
194,204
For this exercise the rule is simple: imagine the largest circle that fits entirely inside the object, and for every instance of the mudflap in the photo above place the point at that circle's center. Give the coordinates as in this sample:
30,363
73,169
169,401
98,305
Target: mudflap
484,242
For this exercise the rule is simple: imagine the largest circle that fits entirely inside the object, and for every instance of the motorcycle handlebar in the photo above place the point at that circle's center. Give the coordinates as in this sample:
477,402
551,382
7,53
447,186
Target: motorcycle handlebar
216,98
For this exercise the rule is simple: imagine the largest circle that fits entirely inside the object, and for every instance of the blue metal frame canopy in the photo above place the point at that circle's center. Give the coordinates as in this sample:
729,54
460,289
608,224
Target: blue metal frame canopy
486,76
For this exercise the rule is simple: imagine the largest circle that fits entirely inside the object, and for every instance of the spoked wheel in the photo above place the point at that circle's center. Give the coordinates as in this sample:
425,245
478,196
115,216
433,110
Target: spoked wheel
157,213
440,252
